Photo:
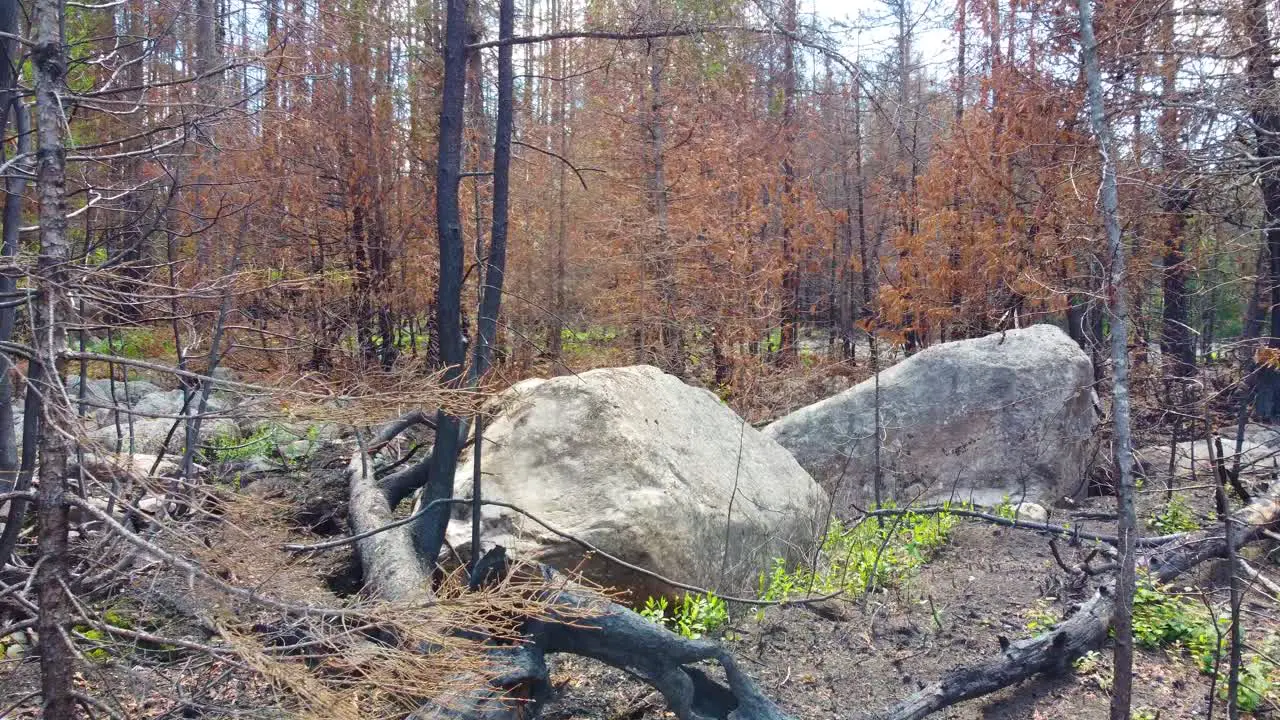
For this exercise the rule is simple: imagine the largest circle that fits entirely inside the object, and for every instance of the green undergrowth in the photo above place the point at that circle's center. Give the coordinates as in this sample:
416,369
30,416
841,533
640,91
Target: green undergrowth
695,616
873,553
231,446
1184,626
138,343
1175,517
1163,619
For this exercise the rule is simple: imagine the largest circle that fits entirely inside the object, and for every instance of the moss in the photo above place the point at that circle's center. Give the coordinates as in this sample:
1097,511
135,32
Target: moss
116,618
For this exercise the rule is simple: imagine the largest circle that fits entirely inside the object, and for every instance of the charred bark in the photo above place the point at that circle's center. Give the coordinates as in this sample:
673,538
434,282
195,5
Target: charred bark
1086,630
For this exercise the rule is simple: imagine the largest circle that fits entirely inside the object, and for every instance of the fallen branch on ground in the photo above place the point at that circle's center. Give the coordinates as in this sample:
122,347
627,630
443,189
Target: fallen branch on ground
1086,630
1075,533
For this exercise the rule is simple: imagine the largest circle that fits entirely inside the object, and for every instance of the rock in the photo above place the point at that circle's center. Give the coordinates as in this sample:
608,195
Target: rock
256,465
1259,455
100,391
150,504
645,468
1032,512
120,466
149,434
1008,414
77,516
170,404
15,652
299,449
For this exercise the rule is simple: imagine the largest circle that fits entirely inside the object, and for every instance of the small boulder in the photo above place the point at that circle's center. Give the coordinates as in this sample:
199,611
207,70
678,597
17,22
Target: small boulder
1011,414
1032,512
655,472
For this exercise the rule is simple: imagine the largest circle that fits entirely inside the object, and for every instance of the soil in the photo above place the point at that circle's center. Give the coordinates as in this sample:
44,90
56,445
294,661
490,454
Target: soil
986,584
844,659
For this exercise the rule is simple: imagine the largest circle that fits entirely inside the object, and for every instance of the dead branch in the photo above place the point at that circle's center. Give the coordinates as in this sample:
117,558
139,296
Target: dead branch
577,623
1052,652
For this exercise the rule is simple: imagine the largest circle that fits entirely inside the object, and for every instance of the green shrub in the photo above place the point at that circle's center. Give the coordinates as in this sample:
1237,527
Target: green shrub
1165,620
847,560
1162,619
137,343
1040,616
1176,517
230,446
694,617
1005,509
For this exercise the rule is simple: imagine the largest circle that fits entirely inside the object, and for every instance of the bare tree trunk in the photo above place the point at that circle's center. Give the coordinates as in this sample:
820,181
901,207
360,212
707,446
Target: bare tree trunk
1177,346
790,265
1261,83
555,330
428,531
662,266
1122,690
14,186
57,663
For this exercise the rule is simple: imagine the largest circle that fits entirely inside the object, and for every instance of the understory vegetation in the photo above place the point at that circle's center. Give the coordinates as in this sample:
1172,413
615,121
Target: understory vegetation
858,558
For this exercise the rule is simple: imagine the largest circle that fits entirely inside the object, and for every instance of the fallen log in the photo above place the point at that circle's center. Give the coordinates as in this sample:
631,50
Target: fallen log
1053,651
577,623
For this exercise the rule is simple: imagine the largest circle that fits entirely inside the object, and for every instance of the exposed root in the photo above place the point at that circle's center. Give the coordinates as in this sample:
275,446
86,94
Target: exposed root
576,623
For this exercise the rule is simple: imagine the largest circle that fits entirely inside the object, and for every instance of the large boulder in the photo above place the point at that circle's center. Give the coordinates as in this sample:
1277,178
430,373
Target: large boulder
149,435
646,468
1007,415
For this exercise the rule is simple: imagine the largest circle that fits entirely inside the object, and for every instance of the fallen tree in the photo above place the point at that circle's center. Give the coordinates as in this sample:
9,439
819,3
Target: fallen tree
579,623
1052,652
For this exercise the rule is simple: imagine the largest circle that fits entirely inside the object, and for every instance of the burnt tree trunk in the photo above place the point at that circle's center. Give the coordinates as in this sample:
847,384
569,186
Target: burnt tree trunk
1262,87
52,308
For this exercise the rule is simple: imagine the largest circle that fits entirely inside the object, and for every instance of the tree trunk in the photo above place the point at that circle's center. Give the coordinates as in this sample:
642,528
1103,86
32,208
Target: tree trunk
57,664
14,187
790,264
428,533
1177,346
662,266
1122,690
1262,87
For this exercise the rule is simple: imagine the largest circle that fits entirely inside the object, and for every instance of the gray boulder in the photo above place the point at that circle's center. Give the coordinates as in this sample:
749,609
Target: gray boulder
170,403
149,434
646,468
100,391
1007,415
1259,455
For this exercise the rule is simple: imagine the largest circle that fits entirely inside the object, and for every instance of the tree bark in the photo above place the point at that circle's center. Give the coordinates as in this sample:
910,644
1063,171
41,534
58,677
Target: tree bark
13,188
429,531
1177,346
57,663
1121,695
790,264
1262,89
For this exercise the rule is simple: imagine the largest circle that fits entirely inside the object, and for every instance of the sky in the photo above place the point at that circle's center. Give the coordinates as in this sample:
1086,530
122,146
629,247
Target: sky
934,41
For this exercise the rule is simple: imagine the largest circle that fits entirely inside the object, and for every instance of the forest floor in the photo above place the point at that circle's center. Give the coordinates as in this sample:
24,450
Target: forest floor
851,659
848,658
845,659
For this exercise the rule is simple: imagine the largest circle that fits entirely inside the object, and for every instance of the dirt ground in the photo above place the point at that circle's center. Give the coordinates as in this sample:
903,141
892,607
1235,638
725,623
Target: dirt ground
847,659
984,585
